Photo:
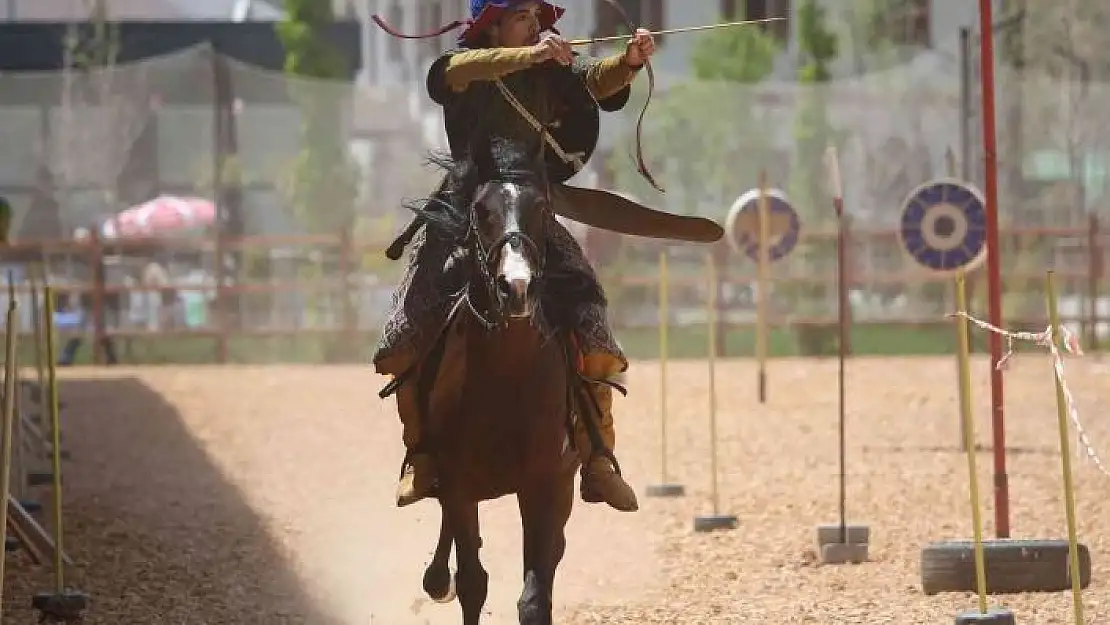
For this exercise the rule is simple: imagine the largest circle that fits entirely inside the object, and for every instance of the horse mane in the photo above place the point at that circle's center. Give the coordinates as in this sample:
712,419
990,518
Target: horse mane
499,157
448,212
442,209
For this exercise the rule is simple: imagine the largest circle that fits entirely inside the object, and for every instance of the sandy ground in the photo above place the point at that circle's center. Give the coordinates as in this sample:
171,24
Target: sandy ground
264,495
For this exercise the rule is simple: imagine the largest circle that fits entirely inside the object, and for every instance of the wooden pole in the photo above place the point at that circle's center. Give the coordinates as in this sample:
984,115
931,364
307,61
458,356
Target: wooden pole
761,338
994,270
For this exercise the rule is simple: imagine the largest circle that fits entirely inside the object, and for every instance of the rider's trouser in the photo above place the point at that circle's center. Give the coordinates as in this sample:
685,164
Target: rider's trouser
409,411
598,365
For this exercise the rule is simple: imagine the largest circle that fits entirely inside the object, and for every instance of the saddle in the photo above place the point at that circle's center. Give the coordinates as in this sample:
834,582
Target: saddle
607,211
579,399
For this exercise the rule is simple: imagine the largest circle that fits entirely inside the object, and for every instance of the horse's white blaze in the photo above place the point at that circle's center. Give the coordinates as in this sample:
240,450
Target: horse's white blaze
515,269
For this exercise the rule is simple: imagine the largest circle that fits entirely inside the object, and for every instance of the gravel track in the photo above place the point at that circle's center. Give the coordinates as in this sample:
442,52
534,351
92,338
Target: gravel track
211,495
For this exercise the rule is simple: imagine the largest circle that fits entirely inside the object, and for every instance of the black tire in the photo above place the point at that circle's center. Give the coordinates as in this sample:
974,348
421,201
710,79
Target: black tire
1012,566
997,616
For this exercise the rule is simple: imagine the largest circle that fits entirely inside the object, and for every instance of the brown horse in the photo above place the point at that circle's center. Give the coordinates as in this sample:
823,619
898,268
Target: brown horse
499,388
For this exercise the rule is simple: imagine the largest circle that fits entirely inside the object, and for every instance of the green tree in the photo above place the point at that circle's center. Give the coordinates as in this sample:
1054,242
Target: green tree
714,137
323,185
738,55
711,135
868,29
812,129
813,133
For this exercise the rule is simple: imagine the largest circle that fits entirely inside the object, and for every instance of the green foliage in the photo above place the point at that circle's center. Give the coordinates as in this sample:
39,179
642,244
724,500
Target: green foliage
812,130
307,54
869,29
322,184
740,55
95,43
818,44
712,135
813,133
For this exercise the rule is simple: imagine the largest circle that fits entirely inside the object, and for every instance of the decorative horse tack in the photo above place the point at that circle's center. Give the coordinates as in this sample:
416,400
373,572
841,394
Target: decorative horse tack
490,365
496,361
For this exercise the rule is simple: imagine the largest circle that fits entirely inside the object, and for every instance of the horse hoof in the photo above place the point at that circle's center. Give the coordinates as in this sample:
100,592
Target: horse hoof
449,596
439,584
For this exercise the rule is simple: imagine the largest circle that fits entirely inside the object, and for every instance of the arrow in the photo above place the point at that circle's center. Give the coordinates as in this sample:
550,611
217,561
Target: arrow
687,29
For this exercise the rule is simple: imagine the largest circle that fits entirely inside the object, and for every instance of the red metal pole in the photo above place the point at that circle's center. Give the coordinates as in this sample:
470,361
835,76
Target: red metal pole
994,286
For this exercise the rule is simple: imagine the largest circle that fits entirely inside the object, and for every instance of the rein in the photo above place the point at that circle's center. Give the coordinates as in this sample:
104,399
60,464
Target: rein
484,258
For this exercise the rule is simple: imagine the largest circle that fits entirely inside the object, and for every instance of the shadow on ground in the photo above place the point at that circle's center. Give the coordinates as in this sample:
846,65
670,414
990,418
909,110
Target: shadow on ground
158,533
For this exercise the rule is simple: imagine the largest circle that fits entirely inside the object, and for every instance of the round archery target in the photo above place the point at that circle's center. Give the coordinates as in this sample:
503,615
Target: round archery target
944,225
742,225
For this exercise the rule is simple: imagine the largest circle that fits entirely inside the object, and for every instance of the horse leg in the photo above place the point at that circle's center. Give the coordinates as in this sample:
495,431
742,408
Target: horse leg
438,582
471,580
544,512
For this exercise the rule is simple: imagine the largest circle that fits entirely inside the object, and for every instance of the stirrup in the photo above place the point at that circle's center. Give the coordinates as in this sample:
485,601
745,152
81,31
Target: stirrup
591,428
610,382
419,448
608,455
432,491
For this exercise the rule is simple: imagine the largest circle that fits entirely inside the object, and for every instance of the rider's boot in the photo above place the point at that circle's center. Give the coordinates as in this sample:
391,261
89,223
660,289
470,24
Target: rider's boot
418,476
600,480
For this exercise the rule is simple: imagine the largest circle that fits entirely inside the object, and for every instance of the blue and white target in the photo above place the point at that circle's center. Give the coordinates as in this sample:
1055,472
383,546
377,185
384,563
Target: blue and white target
944,226
742,225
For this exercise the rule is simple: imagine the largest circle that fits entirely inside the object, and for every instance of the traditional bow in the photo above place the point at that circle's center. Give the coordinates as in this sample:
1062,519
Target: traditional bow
641,166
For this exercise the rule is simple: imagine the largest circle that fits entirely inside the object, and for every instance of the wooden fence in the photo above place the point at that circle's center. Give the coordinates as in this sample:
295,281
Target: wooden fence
338,270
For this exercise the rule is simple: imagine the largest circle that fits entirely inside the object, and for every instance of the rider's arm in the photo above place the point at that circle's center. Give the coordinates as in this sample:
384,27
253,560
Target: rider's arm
484,64
606,77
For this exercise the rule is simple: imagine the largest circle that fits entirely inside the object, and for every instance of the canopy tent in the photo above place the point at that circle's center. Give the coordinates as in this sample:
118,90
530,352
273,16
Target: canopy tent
163,215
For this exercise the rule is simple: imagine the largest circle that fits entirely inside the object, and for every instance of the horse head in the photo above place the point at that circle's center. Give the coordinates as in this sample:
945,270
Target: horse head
505,192
509,214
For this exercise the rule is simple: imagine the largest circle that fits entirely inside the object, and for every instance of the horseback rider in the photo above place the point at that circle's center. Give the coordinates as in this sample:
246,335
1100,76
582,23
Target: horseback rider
511,70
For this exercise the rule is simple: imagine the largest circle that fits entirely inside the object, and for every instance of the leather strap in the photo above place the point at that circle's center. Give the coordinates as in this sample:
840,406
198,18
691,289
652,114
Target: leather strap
575,160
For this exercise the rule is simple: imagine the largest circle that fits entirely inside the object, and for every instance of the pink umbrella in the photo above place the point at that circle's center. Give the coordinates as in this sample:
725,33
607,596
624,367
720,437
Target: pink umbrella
161,215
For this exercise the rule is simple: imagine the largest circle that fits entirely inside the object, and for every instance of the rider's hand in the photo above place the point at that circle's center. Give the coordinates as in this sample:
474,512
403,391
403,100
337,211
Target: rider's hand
639,48
552,46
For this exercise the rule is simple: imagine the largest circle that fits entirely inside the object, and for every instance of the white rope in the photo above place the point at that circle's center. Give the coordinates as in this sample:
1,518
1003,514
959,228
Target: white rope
1044,339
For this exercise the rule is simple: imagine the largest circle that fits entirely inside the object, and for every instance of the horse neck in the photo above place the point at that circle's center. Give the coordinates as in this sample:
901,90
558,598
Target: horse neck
508,350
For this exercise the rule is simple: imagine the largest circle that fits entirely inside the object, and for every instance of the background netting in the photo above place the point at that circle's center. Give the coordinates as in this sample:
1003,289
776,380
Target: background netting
96,142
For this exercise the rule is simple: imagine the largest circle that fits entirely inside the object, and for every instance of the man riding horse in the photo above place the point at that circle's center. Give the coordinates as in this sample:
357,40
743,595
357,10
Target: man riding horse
514,76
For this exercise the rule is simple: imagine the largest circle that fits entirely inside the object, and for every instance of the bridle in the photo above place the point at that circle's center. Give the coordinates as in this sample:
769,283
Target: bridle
483,257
